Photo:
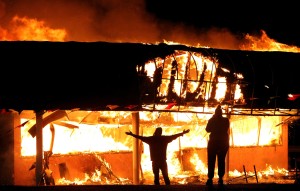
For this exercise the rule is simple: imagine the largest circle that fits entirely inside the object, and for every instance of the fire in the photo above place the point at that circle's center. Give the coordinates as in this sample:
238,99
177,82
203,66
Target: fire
74,137
199,165
190,73
104,134
265,43
28,29
96,132
24,28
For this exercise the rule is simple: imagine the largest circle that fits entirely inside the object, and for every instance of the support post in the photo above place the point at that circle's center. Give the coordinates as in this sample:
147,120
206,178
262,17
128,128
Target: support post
136,150
228,152
39,147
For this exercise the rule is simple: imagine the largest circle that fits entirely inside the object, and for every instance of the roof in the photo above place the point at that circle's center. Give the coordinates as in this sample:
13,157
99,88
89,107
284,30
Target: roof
93,75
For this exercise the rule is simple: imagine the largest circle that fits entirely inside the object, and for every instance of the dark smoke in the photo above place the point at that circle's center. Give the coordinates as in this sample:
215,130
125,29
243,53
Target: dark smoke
113,21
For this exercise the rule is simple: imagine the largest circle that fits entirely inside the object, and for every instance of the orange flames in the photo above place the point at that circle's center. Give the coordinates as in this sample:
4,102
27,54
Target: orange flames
264,43
24,28
98,133
104,131
197,64
27,29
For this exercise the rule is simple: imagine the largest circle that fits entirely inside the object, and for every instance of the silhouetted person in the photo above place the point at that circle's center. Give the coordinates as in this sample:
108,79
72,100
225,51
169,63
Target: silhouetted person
218,145
158,151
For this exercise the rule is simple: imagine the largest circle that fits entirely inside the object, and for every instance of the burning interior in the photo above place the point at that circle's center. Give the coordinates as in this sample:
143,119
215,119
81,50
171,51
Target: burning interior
92,148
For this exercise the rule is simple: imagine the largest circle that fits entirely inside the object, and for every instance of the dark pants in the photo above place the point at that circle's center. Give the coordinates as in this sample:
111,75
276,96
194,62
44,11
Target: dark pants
216,150
163,166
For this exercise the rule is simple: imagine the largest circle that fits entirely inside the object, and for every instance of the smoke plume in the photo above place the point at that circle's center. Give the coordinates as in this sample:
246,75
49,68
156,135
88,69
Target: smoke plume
112,21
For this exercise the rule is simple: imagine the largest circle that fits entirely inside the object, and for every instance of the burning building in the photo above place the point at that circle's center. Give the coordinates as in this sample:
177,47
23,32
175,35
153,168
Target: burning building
79,138
67,102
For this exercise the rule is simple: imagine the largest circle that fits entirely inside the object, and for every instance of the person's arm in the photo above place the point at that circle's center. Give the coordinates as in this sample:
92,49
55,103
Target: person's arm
182,133
134,135
185,131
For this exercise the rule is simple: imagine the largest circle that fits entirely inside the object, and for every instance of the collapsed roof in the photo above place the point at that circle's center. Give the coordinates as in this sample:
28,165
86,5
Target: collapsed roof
97,75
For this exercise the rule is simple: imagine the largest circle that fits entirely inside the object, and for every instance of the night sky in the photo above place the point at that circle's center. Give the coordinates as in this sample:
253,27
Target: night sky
217,24
278,18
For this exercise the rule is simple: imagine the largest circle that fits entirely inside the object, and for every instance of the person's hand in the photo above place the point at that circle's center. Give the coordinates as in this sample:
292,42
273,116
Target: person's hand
185,131
128,133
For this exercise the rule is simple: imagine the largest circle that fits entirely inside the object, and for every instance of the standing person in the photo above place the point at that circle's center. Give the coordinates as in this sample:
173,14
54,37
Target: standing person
218,145
158,144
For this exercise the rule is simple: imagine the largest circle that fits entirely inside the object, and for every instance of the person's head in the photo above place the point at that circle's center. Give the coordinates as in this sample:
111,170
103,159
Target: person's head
218,111
158,131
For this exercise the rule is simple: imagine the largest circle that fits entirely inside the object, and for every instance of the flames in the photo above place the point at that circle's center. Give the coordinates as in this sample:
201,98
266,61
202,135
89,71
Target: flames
29,29
107,132
265,43
96,132
192,73
32,29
